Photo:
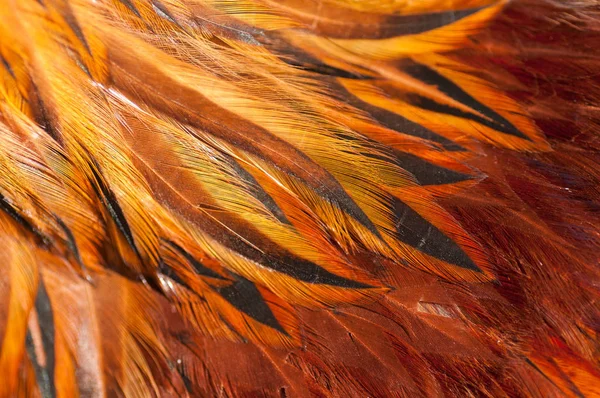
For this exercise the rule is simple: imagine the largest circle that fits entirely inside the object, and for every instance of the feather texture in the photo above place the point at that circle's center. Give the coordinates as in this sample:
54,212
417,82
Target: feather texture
299,198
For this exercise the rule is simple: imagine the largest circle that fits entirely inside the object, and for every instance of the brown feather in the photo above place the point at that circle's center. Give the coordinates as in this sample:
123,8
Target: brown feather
299,198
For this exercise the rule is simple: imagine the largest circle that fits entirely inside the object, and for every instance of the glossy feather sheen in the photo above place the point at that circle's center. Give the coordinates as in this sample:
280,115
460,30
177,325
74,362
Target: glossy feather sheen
299,198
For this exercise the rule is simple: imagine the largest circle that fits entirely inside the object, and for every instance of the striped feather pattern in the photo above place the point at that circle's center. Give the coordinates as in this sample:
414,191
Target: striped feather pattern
295,198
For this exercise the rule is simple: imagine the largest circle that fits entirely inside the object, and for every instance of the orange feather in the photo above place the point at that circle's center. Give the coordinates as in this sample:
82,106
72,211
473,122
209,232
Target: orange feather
299,198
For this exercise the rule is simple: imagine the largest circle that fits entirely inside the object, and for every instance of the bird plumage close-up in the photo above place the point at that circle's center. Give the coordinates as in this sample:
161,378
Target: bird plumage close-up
299,198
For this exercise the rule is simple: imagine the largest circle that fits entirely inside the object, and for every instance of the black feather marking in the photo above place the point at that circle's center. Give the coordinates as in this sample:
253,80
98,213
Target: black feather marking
414,230
42,117
8,208
163,12
170,273
70,239
301,269
44,373
299,58
327,70
280,260
110,202
296,57
340,197
131,7
572,386
334,192
401,25
197,265
428,173
187,383
258,192
432,77
72,22
7,66
244,296
537,369
425,173
276,258
396,122
434,106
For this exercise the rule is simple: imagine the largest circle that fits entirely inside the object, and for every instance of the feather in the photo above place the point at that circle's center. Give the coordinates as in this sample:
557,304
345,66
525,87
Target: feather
299,198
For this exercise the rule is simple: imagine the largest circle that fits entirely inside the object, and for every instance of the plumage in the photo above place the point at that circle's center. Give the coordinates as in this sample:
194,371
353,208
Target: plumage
299,198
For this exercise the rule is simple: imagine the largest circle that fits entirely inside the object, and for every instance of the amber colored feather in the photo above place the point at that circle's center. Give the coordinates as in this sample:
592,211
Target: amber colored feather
291,198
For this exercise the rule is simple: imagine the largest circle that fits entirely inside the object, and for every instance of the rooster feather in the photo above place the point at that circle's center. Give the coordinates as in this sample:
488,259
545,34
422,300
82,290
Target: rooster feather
291,198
